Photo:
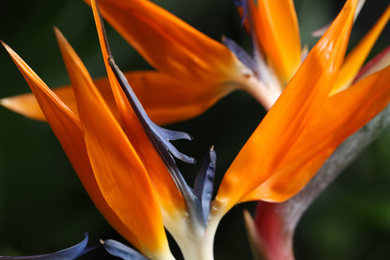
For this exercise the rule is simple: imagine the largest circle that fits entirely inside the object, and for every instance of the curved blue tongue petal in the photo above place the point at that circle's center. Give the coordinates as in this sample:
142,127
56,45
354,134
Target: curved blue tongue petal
204,183
159,137
120,250
198,205
172,134
155,132
65,254
240,53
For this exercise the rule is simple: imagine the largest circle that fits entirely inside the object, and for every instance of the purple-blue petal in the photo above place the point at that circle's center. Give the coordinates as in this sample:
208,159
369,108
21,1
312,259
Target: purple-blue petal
160,138
204,183
65,254
240,53
155,133
172,135
239,3
244,5
120,250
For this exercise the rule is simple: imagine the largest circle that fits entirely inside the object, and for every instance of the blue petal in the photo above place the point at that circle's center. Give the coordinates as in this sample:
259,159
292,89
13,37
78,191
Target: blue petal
160,138
240,53
66,254
239,3
171,134
243,4
193,204
164,148
154,132
204,183
118,249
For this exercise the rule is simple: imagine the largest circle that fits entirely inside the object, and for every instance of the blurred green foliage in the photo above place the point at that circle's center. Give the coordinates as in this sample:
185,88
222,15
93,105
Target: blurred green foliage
44,208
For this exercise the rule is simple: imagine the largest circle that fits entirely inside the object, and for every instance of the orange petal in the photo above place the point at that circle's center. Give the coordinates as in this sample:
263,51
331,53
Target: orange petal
121,102
355,59
166,99
276,27
379,62
284,124
169,196
240,10
344,113
320,31
25,104
67,129
167,43
120,175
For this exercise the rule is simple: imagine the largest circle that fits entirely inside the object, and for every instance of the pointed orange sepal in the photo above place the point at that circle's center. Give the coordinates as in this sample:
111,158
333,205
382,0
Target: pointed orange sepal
283,126
167,99
355,59
67,129
169,196
276,26
166,42
119,172
344,113
173,100
380,61
27,105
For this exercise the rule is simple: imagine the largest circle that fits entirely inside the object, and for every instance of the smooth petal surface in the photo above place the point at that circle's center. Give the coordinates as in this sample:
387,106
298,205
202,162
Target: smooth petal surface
168,100
287,120
67,129
355,107
167,43
172,100
285,216
25,104
119,172
276,30
320,31
355,59
169,196
379,62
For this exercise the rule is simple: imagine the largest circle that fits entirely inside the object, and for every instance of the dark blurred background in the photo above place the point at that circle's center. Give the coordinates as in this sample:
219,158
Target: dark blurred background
44,208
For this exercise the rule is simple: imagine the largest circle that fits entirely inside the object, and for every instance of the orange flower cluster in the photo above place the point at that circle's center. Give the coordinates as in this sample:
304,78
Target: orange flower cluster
315,101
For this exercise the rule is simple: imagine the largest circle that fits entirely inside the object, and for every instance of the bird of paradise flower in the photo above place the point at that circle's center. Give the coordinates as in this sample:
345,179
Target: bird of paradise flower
122,156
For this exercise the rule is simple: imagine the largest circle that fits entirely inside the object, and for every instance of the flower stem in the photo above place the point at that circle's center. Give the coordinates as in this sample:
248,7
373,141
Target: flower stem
196,242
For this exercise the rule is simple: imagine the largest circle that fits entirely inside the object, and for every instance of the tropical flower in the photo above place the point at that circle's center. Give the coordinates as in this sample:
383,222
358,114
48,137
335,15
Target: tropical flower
125,161
75,142
304,107
272,230
124,156
194,71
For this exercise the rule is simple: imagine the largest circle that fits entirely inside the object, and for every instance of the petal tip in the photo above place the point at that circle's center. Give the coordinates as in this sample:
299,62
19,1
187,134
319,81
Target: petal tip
9,49
58,33
7,103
